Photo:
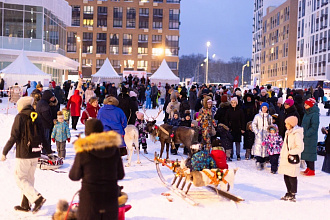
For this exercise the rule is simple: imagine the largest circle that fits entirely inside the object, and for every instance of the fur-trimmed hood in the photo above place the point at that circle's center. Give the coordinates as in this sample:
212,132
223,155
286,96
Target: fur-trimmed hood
205,101
224,104
101,145
272,126
248,124
224,126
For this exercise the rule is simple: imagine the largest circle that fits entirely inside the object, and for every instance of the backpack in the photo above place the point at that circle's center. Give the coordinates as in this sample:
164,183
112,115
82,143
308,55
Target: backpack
32,138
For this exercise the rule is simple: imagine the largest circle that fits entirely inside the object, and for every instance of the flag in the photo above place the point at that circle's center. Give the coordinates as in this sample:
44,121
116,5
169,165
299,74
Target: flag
236,82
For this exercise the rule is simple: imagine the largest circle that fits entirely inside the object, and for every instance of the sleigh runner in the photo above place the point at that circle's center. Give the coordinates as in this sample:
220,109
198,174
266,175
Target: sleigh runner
211,178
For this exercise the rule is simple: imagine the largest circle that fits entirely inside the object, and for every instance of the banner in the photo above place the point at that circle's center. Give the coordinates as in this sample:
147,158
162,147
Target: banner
139,74
236,82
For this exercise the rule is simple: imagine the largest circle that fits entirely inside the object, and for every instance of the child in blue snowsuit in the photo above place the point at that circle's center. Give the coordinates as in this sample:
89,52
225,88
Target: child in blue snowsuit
148,98
61,134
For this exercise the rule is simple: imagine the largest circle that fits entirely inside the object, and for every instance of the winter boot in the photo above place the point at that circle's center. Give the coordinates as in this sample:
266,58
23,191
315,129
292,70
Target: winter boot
25,205
145,151
310,173
292,197
229,159
286,197
306,171
238,158
258,164
38,204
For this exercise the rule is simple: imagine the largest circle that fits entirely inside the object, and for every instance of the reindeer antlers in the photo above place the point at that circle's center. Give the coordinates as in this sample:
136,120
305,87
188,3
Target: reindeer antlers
153,118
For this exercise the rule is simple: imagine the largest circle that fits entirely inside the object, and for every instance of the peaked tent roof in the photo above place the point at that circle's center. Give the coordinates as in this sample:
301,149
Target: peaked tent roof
23,66
106,71
164,75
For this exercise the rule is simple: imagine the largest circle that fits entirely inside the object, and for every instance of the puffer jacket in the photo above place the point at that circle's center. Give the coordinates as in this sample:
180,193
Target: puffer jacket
202,160
61,131
273,142
293,144
259,126
90,112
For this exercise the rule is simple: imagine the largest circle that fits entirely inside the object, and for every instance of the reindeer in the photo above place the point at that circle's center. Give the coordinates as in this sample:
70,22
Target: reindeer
131,139
168,134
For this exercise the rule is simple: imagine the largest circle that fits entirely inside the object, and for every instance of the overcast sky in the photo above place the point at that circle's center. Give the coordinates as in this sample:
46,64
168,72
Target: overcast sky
227,24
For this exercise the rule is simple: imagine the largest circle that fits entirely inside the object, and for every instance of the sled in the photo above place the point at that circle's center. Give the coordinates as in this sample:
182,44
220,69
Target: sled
182,176
52,162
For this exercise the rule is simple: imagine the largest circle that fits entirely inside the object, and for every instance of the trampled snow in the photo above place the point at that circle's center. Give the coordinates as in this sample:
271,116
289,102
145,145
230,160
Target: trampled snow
260,189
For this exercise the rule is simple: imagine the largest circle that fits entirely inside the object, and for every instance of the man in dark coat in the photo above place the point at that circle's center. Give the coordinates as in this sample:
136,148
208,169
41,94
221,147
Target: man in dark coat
321,93
299,103
125,103
66,88
45,113
26,157
249,107
59,94
223,107
113,90
184,104
99,165
192,100
134,108
130,80
142,94
154,94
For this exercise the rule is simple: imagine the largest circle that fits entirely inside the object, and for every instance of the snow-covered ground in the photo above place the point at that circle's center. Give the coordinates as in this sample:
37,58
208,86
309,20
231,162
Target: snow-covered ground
260,189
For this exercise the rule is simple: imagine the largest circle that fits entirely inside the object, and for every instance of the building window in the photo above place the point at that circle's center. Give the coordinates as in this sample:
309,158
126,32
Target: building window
114,44
173,65
102,16
158,1
172,45
87,62
127,44
157,22
129,64
143,50
155,65
143,38
130,17
99,63
156,38
174,19
144,18
115,63
87,42
142,65
88,16
72,42
101,43
75,15
173,1
13,23
118,17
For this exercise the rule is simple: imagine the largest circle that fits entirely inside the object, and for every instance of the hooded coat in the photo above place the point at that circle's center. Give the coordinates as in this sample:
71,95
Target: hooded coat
192,98
260,124
125,103
293,144
99,165
90,112
310,124
59,94
221,112
33,86
44,111
234,119
89,93
249,108
74,104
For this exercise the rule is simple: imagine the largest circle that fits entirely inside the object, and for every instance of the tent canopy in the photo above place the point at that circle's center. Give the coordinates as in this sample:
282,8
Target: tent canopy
164,75
21,71
106,74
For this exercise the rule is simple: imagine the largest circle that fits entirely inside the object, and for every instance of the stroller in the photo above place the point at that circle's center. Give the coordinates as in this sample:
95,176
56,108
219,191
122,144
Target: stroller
321,144
49,162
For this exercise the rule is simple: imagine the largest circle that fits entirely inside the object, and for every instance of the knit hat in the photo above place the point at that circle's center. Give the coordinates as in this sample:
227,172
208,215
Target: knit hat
173,95
194,122
132,94
292,120
60,115
47,95
139,115
110,100
289,102
310,102
280,100
263,90
24,102
224,98
264,104
234,99
205,91
93,125
210,101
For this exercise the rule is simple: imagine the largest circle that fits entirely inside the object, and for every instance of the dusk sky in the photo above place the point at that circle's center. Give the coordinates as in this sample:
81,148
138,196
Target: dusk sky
227,24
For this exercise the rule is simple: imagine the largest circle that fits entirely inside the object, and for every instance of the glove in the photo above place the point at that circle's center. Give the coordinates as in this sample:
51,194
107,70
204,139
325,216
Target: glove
68,140
53,139
3,158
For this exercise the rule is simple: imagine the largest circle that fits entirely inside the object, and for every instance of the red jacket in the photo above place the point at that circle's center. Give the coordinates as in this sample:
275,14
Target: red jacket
90,111
74,104
220,158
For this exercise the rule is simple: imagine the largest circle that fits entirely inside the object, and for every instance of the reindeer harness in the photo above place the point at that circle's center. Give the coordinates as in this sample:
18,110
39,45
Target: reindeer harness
157,128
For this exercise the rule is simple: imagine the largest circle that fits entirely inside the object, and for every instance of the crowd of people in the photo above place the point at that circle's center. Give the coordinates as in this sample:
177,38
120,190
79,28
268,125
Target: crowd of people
272,126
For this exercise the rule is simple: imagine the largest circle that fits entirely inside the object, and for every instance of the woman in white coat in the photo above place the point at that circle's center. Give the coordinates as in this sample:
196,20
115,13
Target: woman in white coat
259,126
294,145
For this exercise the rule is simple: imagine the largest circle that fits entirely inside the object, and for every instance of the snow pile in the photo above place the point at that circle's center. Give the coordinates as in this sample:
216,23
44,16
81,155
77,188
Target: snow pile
260,189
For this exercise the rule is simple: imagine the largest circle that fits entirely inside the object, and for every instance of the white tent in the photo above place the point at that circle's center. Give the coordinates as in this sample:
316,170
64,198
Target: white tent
106,74
21,71
164,75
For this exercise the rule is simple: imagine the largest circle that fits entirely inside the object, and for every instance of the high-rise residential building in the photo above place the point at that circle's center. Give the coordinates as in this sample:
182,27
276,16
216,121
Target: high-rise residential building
38,28
278,45
260,7
133,34
313,42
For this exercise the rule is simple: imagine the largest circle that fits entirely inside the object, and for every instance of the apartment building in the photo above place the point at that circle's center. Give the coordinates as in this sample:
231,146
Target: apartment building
313,42
260,7
279,37
133,34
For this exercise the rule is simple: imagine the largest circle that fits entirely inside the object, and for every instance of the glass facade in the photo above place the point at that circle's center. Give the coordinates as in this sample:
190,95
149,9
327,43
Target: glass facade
31,28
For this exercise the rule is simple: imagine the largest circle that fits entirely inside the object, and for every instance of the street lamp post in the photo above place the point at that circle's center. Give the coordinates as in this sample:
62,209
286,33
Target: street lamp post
207,61
247,64
80,61
302,62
